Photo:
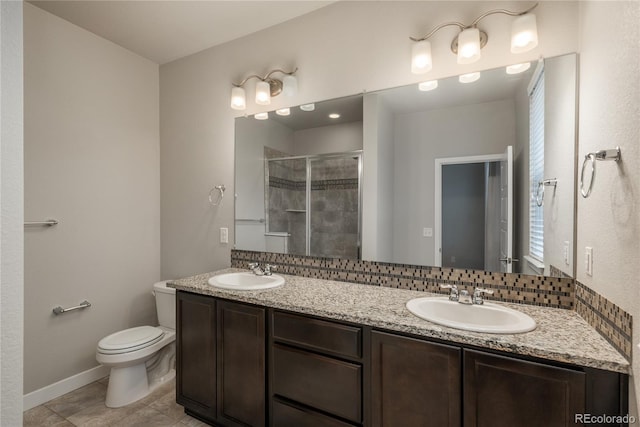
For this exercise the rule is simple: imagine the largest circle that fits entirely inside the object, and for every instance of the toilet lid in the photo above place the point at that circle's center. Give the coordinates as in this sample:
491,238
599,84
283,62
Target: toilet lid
130,340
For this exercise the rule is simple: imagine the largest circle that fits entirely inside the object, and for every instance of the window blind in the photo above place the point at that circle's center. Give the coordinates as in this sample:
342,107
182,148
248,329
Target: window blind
536,165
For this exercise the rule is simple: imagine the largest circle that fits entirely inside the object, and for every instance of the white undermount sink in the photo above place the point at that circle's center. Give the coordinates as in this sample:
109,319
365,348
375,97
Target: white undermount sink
487,317
246,281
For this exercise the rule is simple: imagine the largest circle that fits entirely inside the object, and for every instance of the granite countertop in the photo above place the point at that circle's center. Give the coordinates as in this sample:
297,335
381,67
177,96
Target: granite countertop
561,335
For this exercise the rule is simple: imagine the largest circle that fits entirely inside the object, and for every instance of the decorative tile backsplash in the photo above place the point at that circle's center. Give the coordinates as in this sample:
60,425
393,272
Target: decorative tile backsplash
518,288
613,323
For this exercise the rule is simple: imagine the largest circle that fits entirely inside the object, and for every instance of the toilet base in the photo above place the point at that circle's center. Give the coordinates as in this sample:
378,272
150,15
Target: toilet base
126,385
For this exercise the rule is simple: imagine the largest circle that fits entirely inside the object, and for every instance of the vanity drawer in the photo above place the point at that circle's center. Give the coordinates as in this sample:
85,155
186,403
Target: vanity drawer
328,384
287,415
317,334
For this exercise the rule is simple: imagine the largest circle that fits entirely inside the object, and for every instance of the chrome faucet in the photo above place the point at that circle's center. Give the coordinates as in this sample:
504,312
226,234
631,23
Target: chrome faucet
256,269
454,295
477,295
267,269
463,296
261,271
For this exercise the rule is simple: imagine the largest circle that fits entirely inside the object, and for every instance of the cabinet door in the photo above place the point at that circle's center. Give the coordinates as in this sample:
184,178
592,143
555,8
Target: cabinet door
414,382
241,364
500,391
196,353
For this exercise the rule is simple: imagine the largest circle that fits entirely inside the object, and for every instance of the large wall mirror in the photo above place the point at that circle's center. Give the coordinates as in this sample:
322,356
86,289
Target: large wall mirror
476,175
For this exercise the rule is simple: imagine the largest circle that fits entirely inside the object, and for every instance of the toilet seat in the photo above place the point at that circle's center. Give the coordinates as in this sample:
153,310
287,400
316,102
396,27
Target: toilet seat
130,340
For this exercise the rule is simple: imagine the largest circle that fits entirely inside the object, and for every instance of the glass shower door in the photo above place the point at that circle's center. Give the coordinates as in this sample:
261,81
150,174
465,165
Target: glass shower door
333,206
286,202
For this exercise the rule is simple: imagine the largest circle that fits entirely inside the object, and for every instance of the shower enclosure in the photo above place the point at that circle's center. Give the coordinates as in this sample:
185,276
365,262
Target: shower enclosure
314,203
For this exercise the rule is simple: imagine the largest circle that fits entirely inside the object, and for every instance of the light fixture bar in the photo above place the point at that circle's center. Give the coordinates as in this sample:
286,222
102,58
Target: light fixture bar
266,88
467,45
474,23
255,76
503,11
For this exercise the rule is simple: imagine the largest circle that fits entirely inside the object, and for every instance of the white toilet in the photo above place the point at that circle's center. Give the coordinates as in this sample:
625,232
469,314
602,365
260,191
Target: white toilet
141,358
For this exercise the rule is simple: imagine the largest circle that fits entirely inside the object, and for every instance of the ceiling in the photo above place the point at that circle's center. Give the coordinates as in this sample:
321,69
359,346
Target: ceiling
163,31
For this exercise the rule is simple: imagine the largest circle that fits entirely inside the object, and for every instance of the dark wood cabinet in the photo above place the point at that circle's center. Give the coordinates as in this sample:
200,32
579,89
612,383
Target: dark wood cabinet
244,365
196,354
241,364
317,374
221,360
501,391
414,382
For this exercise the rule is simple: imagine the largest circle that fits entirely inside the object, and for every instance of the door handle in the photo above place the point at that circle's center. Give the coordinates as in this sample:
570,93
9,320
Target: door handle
509,260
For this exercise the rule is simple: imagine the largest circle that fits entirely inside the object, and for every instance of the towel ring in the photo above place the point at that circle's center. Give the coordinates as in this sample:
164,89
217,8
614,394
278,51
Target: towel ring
539,196
591,158
220,195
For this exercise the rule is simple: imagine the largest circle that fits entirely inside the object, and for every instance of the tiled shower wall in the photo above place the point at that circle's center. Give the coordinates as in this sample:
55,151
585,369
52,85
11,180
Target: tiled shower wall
613,323
334,205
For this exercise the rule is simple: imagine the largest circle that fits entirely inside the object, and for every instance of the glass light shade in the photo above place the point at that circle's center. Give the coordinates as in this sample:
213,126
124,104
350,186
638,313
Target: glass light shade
263,93
518,68
283,112
261,116
524,33
427,86
238,99
289,85
468,46
308,107
421,60
469,78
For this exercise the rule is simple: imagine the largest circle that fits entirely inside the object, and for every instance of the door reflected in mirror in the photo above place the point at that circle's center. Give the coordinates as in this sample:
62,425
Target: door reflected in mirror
419,177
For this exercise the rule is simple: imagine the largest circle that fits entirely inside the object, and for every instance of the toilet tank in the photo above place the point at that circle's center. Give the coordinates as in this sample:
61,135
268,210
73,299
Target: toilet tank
165,304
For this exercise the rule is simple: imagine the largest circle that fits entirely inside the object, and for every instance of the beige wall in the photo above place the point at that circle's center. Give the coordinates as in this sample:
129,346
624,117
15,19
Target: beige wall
92,162
609,220
340,50
11,217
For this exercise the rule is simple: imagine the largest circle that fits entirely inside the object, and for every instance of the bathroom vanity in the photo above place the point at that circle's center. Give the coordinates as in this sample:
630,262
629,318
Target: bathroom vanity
323,353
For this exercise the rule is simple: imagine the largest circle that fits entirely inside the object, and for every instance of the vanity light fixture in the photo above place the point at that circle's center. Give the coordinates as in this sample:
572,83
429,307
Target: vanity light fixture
308,107
283,112
266,88
518,68
469,42
427,86
261,116
334,116
469,78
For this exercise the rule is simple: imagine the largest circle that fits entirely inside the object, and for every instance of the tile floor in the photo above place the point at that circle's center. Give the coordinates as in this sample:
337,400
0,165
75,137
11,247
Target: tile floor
85,407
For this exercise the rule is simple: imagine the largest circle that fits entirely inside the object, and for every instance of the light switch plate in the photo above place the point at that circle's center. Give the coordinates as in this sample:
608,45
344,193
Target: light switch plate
427,232
565,252
588,260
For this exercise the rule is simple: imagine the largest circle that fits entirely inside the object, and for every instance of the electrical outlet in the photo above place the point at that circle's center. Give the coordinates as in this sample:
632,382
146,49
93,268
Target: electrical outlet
588,260
224,235
427,232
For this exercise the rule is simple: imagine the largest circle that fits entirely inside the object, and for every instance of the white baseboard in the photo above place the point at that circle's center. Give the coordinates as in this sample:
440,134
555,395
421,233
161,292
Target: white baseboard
57,389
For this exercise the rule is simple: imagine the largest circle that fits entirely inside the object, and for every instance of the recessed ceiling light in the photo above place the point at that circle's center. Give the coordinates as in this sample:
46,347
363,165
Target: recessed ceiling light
261,116
283,112
518,68
334,116
308,107
469,78
427,86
